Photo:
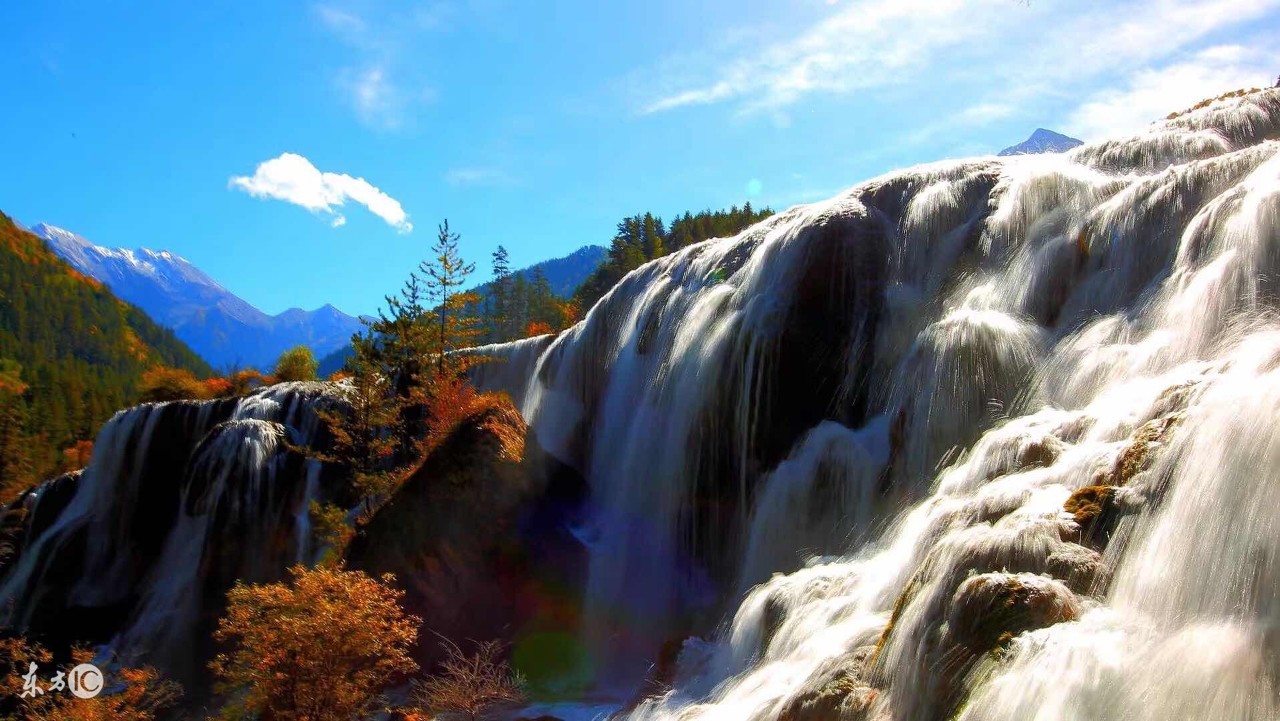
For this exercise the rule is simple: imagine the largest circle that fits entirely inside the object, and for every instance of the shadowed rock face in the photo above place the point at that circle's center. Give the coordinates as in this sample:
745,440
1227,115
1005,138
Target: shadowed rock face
179,501
478,537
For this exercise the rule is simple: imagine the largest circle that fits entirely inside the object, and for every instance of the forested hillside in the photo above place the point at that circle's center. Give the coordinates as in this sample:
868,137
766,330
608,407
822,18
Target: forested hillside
71,354
642,238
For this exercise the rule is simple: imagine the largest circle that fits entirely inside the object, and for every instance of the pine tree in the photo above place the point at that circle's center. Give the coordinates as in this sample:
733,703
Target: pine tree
445,275
500,293
365,433
397,347
542,304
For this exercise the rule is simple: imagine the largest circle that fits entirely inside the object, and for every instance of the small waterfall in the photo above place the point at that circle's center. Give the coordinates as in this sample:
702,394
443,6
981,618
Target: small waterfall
1016,413
178,502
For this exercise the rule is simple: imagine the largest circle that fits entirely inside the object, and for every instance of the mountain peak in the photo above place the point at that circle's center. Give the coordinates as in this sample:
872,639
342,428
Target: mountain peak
216,323
1042,140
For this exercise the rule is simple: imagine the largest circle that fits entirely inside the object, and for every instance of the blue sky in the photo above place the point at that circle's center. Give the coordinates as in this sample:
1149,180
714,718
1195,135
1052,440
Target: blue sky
303,153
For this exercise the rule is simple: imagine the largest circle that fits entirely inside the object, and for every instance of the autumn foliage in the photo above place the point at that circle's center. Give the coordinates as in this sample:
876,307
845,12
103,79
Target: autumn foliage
320,646
77,456
133,694
296,364
162,384
538,327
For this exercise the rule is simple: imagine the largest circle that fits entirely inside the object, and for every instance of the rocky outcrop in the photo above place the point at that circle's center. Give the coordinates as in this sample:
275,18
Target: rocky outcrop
179,501
477,535
1098,508
841,692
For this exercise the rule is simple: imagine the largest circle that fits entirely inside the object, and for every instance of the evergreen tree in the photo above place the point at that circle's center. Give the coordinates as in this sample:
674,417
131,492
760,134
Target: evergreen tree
644,237
364,434
396,348
16,472
520,305
543,309
446,275
500,293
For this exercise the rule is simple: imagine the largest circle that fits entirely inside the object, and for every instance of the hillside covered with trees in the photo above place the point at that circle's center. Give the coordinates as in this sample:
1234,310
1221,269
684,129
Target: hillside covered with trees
71,355
520,304
641,238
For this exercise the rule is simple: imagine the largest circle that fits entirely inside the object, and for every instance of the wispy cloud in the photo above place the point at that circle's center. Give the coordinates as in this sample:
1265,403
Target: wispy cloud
1010,54
478,176
294,179
347,24
377,85
1153,92
377,100
864,44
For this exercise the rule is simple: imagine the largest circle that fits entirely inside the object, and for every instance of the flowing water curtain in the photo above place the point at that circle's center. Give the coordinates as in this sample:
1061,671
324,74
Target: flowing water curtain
179,497
1066,386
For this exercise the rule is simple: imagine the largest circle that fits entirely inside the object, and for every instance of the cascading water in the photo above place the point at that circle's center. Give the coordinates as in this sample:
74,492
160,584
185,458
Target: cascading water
1005,425
178,502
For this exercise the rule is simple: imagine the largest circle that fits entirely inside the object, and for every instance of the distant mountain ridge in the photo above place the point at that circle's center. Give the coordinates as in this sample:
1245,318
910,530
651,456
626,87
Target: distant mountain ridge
1043,141
223,328
563,274
78,350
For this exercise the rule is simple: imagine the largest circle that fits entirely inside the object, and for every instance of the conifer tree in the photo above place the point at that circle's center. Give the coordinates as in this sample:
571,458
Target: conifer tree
445,275
500,293
396,348
367,431
16,471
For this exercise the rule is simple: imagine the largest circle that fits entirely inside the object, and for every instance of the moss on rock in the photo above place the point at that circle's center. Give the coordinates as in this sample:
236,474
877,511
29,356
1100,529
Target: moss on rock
841,692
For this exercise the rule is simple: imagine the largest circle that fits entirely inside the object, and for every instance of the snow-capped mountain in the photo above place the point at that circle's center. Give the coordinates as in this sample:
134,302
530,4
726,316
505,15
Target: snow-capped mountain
1043,141
221,327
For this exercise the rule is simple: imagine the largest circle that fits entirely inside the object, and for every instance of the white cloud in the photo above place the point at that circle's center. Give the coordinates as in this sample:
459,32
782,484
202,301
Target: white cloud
1152,93
293,179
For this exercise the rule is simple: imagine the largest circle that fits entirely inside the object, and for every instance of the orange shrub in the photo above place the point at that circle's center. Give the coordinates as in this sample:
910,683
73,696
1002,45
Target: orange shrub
450,399
538,327
218,388
248,380
320,646
77,456
170,384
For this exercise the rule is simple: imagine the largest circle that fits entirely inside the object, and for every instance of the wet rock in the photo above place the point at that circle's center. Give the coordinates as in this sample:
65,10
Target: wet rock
841,692
772,616
1095,512
991,609
661,676
1139,454
986,613
1039,453
13,531
1079,567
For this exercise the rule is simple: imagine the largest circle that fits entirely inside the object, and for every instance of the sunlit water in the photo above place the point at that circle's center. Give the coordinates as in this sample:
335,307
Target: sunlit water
1015,329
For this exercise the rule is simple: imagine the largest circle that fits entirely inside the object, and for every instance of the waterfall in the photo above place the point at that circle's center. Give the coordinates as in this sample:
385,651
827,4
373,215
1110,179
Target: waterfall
1003,428
178,502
